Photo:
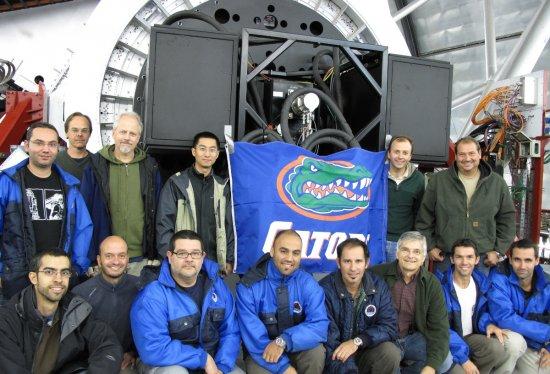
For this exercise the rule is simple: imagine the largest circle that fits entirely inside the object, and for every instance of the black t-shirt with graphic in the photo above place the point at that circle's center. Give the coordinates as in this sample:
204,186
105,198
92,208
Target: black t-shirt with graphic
46,203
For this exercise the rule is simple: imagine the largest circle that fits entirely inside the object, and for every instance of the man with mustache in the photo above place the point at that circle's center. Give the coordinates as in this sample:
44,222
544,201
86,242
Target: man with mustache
121,188
282,313
46,329
40,207
111,294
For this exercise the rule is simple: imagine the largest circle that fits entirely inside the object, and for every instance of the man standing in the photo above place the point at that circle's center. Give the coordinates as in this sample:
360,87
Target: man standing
185,321
46,329
281,312
421,313
111,294
40,208
197,199
471,325
361,314
121,188
76,158
405,191
519,300
468,200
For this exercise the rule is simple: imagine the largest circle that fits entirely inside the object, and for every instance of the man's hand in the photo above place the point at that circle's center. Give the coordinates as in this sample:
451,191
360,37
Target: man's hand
499,333
290,370
128,360
470,368
272,352
436,254
344,351
544,361
210,367
427,370
491,259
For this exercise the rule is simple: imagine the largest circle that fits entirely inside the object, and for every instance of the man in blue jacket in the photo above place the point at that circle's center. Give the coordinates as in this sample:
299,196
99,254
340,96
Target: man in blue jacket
185,322
471,327
519,300
362,318
281,312
40,208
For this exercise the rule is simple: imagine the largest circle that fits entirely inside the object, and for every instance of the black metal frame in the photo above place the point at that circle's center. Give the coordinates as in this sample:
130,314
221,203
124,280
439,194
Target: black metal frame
346,47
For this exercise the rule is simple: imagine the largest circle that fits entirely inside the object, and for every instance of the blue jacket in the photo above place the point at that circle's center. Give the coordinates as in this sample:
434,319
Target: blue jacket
17,240
376,322
166,323
259,320
510,310
481,318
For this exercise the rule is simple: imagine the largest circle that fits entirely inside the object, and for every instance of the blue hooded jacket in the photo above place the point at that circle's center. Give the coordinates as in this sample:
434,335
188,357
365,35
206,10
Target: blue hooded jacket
376,322
480,320
17,240
510,309
259,320
169,329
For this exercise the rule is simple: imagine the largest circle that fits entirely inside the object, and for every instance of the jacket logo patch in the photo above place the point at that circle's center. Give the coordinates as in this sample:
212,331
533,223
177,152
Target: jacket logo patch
297,307
475,223
370,310
214,297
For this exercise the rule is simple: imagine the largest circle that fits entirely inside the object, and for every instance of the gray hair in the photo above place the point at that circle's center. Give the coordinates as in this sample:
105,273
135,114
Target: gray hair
133,115
416,236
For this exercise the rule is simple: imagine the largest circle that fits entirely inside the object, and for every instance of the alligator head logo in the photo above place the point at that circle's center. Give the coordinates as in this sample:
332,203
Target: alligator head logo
329,191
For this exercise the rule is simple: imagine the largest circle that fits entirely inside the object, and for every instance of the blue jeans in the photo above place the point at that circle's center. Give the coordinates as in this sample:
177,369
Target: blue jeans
391,251
413,352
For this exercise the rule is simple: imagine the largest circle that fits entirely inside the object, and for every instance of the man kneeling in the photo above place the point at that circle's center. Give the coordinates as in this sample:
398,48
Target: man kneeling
46,329
362,319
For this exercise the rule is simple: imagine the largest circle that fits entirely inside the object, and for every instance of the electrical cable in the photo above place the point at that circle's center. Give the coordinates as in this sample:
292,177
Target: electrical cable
262,136
330,136
189,14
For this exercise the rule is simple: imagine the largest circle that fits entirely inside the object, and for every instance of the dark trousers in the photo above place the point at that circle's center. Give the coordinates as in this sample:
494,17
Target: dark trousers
383,358
305,362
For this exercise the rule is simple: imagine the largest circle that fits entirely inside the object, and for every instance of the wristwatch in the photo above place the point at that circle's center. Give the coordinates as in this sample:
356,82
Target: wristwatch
280,341
358,341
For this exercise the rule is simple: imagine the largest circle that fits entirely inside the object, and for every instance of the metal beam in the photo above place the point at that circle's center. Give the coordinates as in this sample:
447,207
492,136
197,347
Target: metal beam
490,39
408,9
408,30
525,54
467,97
269,59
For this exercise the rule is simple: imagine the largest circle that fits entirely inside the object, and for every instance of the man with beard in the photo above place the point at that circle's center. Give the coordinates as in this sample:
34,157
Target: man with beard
40,207
465,288
76,158
46,329
519,301
111,294
282,313
121,188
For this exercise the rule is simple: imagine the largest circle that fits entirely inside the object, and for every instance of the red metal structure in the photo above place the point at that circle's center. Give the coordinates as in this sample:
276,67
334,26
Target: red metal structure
22,110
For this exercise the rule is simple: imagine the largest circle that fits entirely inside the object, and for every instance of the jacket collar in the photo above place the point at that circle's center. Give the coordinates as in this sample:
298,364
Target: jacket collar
367,284
67,178
392,270
540,278
166,279
484,169
103,283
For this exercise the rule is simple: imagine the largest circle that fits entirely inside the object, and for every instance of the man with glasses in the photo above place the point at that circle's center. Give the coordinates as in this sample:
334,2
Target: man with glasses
185,321
417,296
111,294
121,189
197,199
40,207
76,157
46,329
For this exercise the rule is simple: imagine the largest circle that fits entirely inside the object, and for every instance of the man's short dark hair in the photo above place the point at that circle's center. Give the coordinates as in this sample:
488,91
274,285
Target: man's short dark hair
207,135
54,252
401,138
464,243
77,114
524,244
184,234
352,242
285,232
467,139
39,125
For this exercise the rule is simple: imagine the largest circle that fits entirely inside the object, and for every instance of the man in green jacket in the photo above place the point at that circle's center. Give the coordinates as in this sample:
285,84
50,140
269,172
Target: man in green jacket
417,296
405,190
468,200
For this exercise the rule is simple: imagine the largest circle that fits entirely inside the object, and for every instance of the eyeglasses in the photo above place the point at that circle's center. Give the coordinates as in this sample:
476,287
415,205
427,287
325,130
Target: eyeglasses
411,252
41,144
195,255
211,150
51,273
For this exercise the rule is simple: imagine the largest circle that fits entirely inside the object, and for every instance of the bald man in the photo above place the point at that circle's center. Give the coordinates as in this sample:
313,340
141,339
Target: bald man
111,294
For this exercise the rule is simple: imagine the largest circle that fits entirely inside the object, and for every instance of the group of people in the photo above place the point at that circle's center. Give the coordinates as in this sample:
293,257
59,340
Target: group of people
93,222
